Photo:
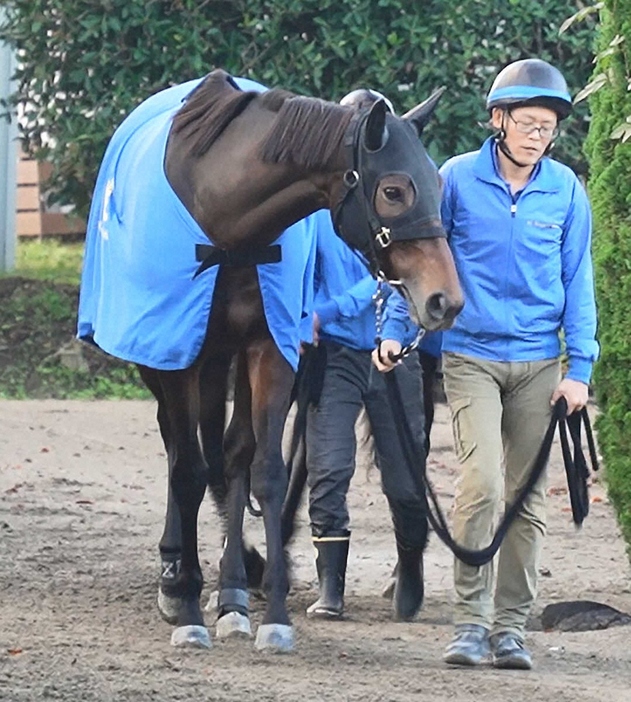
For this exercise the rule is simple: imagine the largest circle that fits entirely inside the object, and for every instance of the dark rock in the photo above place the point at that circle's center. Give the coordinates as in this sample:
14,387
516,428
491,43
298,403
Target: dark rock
581,615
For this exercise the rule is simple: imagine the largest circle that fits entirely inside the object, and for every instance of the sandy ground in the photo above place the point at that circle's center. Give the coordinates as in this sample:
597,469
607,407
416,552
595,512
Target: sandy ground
82,488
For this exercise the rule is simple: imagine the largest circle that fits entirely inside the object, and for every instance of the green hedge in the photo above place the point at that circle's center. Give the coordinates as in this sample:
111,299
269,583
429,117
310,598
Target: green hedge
610,192
86,63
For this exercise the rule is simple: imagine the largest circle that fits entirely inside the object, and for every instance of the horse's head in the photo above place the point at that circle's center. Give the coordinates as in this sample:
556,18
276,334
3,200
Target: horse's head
389,209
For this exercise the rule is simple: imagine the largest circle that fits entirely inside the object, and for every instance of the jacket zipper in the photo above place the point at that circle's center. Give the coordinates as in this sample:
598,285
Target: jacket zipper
513,212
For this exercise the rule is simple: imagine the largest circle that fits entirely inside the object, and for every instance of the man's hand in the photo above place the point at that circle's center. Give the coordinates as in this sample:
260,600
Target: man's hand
575,393
387,347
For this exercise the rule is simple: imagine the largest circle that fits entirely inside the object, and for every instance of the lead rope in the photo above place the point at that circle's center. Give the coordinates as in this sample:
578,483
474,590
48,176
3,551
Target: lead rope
379,298
576,468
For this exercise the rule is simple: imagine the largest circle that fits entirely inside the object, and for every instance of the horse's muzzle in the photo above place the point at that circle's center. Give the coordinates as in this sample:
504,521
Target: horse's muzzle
428,280
443,309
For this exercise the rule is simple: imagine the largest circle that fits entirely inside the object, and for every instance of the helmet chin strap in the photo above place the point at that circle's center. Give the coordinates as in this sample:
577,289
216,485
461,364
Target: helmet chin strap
503,147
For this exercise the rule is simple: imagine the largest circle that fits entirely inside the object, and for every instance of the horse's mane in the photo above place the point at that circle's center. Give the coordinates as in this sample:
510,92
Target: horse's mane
208,110
307,131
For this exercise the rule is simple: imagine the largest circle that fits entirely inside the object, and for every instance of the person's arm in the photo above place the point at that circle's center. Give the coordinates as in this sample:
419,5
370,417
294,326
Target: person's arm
350,303
398,331
579,316
397,323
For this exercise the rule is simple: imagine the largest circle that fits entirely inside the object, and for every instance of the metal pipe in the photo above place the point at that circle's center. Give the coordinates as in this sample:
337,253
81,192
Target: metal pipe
8,161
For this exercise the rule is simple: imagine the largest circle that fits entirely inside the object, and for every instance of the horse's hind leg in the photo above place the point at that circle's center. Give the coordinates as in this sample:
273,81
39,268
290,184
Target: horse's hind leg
171,542
232,606
212,420
271,380
178,399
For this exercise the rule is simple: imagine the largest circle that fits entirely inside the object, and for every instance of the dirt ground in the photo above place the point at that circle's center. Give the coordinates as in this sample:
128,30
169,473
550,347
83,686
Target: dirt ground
82,491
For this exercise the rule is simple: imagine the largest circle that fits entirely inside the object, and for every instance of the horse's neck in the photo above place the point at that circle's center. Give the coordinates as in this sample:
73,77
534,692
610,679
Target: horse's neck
266,221
235,197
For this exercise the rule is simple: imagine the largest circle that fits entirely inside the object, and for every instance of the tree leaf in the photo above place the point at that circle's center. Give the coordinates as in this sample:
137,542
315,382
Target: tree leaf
596,84
580,16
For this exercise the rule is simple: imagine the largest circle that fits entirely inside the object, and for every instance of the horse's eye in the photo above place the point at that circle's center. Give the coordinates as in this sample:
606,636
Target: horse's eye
393,193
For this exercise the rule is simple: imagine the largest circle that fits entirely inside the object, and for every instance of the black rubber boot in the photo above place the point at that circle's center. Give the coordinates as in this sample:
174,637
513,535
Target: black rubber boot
331,566
407,597
410,531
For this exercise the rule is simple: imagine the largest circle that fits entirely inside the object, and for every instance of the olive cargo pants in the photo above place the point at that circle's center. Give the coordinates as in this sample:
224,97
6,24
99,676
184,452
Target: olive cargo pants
500,413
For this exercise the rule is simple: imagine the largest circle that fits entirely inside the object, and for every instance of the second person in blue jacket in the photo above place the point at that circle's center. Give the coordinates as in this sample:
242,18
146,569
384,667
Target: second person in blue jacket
344,323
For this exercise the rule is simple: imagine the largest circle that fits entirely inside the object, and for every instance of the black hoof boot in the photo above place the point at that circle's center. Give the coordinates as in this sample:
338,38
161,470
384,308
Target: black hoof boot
169,595
331,566
407,598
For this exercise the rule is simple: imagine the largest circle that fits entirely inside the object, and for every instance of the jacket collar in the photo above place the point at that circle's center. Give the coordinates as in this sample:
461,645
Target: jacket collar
486,168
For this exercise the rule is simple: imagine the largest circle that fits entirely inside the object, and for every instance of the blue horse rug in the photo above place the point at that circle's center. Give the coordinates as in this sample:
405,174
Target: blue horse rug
140,299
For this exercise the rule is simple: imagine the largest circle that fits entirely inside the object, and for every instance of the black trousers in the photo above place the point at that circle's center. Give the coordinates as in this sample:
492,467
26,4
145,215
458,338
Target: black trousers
351,381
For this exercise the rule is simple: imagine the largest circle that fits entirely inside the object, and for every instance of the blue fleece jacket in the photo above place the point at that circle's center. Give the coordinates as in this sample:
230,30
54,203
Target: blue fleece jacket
524,263
344,292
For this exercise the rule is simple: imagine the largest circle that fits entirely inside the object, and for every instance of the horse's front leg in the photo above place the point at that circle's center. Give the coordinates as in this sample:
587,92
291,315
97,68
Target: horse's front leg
271,380
187,476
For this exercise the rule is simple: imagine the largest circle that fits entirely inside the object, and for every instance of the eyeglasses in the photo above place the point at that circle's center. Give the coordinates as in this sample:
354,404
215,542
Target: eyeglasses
530,127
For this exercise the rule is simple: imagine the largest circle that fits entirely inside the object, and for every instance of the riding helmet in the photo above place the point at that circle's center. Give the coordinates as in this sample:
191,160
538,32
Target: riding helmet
364,97
530,82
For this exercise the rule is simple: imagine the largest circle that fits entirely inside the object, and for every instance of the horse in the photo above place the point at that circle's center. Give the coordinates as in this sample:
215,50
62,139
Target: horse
244,166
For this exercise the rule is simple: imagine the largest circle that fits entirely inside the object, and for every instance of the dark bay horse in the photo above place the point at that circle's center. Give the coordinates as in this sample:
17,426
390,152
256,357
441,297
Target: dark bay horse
247,165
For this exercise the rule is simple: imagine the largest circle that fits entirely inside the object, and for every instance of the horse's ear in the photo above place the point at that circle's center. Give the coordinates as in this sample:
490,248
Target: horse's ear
420,115
375,126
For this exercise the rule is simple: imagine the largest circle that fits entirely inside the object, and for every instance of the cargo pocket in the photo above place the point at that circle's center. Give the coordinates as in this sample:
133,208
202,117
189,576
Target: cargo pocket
461,427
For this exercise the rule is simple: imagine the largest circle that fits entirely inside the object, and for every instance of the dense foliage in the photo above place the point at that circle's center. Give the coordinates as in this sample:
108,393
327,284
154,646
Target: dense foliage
85,63
39,357
610,192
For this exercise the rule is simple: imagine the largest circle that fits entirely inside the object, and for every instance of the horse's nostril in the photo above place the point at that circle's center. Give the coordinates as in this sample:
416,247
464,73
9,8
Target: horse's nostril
437,305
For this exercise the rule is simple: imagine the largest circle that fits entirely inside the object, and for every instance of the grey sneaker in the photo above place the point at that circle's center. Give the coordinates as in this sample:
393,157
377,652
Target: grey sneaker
509,651
469,646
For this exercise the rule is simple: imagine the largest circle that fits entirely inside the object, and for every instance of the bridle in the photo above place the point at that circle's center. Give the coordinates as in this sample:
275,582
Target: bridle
359,225
354,217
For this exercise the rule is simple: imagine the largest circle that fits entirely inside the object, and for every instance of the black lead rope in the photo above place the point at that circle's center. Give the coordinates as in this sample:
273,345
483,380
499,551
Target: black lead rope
575,466
379,300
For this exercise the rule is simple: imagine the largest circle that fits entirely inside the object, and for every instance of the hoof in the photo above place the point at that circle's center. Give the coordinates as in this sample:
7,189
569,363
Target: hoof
407,600
168,607
192,636
233,625
322,610
324,613
388,589
275,638
407,597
